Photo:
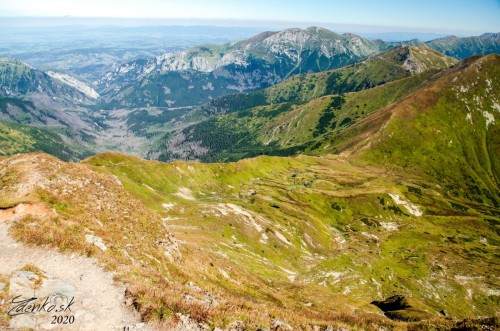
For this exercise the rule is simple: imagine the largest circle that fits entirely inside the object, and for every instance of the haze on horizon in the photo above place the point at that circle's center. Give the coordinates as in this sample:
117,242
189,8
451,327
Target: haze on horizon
446,16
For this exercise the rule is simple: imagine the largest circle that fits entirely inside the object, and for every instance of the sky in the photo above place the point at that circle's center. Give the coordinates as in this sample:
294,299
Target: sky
439,16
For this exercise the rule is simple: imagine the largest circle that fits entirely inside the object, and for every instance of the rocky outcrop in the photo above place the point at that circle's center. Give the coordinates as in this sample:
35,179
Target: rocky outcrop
96,241
396,302
398,308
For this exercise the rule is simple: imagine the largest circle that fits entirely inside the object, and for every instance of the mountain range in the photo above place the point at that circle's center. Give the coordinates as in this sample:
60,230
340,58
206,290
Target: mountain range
159,98
205,72
202,73
267,121
464,47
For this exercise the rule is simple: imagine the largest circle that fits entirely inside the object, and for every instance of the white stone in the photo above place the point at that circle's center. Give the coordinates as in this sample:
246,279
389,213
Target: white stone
411,208
96,241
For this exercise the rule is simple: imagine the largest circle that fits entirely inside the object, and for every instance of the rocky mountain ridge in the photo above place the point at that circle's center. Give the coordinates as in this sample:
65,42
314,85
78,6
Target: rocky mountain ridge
283,46
18,79
261,61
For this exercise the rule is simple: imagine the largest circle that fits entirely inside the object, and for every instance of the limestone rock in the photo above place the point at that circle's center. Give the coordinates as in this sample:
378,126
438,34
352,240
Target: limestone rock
57,287
96,241
187,324
23,283
278,325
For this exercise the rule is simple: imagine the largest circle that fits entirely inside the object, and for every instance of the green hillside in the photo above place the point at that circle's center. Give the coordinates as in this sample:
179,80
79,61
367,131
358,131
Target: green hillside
437,125
398,194
19,138
294,116
446,131
462,48
17,79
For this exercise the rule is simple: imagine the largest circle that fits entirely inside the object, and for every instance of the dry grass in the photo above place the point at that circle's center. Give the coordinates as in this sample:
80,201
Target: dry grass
441,324
36,271
50,232
4,305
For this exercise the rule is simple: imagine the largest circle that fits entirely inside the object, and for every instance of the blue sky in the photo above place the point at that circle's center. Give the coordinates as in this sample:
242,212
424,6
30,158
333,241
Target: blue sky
442,16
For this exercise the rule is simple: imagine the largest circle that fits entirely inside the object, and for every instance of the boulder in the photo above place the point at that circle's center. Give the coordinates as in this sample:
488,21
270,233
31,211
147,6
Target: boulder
24,321
236,326
396,302
53,287
399,308
96,241
278,325
185,323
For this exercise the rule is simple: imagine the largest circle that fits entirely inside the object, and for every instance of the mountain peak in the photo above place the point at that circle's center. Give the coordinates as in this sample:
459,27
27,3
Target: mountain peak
490,35
350,35
261,36
316,30
6,60
447,38
417,59
257,62
294,35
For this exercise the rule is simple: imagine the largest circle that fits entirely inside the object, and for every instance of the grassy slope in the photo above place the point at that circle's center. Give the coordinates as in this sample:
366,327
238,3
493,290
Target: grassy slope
331,224
290,128
337,221
446,132
19,138
301,238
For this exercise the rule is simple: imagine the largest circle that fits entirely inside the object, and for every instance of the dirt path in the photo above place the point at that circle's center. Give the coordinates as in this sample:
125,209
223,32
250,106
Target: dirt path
98,301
